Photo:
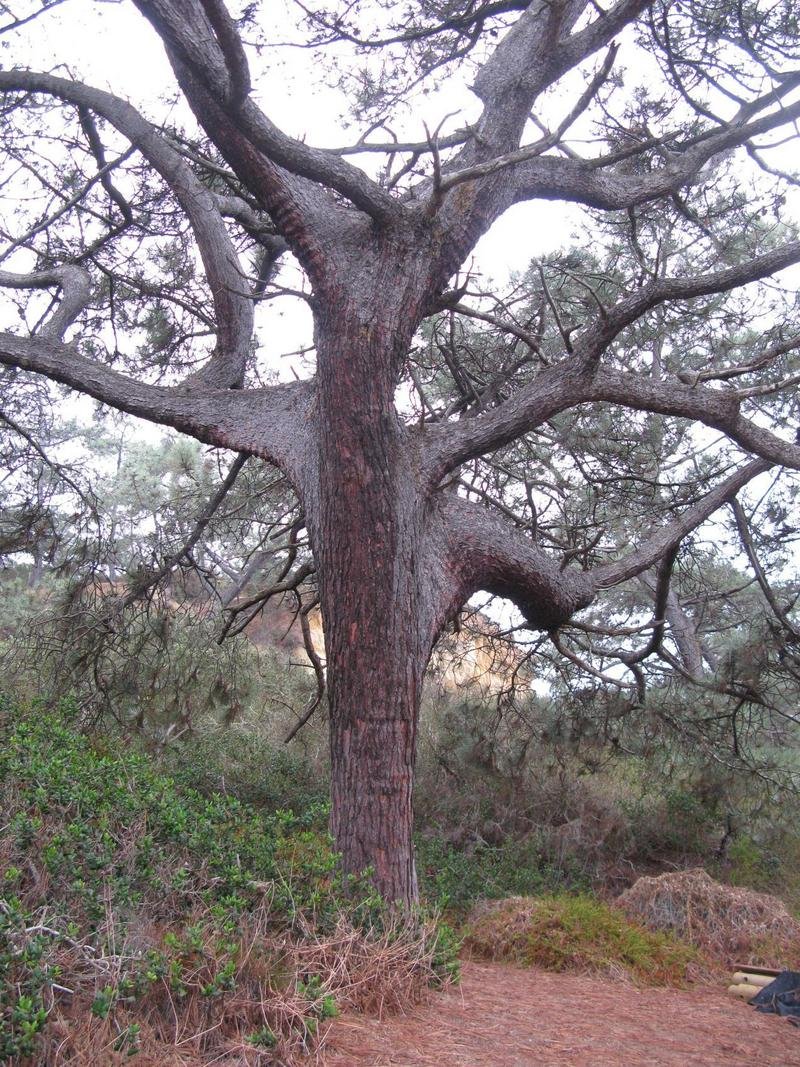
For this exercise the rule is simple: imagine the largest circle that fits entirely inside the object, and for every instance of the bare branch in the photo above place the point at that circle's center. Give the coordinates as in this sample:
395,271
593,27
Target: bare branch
273,423
665,540
200,59
234,312
538,148
74,285
319,674
746,538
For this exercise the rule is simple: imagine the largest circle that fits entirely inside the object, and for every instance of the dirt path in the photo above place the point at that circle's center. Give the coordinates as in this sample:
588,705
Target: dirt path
505,1017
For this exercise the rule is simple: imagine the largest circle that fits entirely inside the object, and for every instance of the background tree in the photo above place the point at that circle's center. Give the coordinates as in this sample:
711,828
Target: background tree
139,253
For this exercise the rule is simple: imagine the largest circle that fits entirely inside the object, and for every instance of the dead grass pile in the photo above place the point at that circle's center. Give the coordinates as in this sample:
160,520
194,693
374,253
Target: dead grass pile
562,932
380,971
728,923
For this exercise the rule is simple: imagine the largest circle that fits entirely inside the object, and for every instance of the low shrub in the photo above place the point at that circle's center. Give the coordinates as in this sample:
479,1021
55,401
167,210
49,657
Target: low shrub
237,761
563,932
135,911
455,879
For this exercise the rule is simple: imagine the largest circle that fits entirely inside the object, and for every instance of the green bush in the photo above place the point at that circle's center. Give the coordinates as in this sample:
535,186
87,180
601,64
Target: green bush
255,770
195,896
561,932
454,879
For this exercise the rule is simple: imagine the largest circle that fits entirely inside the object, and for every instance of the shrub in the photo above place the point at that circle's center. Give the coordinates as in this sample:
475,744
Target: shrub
237,761
575,933
132,904
454,879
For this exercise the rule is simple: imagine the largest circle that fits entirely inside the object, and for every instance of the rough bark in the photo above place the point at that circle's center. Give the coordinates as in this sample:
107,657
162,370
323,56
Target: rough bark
368,524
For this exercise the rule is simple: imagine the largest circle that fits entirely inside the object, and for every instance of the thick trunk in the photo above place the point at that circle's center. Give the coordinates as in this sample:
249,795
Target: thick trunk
368,532
374,702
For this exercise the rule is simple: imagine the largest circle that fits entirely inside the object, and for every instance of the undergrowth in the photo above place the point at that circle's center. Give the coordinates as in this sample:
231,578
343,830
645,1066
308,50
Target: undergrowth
138,915
563,932
455,879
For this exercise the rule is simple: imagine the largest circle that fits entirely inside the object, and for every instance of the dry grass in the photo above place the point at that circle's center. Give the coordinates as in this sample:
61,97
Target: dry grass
377,972
283,988
728,923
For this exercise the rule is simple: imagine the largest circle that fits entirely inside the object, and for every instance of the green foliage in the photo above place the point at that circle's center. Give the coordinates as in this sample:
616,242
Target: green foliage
263,1038
543,794
323,1004
454,879
579,933
25,975
749,863
101,849
241,762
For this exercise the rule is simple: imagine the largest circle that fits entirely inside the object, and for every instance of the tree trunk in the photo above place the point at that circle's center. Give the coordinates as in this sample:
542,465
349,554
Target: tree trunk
374,704
367,524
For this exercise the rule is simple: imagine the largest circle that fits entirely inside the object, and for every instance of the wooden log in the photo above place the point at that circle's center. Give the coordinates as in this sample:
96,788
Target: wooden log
748,978
743,990
746,967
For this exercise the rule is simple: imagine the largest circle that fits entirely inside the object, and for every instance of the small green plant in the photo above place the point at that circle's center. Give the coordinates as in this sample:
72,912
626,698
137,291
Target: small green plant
323,1004
25,973
128,1039
19,1033
263,1038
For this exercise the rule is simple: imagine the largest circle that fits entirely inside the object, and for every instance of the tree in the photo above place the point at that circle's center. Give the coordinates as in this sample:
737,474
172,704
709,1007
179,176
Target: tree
648,333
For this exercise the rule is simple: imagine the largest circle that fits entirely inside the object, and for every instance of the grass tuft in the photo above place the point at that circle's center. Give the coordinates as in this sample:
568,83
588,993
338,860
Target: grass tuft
561,932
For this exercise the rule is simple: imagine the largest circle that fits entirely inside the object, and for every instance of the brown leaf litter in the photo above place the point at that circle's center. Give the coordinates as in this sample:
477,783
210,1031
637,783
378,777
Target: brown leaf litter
503,1016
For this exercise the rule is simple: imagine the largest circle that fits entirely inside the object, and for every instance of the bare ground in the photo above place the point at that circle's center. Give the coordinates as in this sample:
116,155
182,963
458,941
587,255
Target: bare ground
508,1017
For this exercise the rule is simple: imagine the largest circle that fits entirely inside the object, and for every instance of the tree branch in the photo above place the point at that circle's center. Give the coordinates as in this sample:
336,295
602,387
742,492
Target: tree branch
234,310
187,30
274,423
579,379
488,554
174,559
745,536
666,539
587,182
74,285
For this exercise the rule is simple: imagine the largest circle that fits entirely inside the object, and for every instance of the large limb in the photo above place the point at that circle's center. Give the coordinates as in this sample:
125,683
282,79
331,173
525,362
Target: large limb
233,309
206,53
274,423
598,183
580,378
486,553
533,55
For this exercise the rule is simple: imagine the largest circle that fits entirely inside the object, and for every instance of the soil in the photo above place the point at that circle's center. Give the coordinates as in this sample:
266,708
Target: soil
508,1017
